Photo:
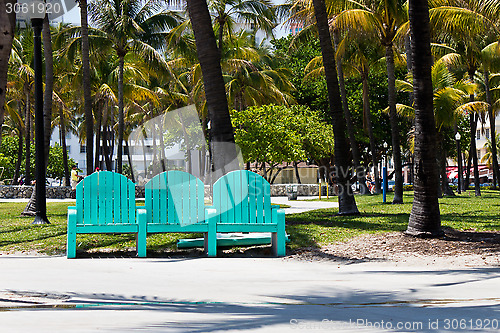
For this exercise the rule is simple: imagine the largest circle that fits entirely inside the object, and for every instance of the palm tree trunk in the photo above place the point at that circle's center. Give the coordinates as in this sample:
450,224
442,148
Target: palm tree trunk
98,149
144,157
121,123
130,162
491,116
221,33
425,219
49,86
7,28
360,172
62,126
368,117
445,188
87,96
347,203
396,150
17,169
27,143
222,135
473,125
467,173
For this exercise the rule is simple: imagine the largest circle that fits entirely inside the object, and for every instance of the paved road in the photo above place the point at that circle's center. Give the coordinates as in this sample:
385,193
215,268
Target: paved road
53,294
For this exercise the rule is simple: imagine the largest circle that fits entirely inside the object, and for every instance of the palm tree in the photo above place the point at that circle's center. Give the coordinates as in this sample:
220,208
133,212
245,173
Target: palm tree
385,19
22,75
347,203
425,217
467,25
222,135
490,61
489,156
7,26
227,13
360,55
130,26
86,85
450,101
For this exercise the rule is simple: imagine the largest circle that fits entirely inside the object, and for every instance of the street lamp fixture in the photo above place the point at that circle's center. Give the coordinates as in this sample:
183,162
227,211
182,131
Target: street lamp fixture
459,162
384,174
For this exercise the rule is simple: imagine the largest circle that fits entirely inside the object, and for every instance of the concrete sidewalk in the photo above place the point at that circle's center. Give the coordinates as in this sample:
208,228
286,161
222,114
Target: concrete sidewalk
303,204
53,294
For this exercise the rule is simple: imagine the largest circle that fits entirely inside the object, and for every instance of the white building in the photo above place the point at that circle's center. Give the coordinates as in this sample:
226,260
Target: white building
483,134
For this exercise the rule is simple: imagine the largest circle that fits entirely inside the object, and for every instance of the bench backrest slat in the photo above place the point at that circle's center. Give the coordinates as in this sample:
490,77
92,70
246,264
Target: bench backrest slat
174,197
242,196
106,198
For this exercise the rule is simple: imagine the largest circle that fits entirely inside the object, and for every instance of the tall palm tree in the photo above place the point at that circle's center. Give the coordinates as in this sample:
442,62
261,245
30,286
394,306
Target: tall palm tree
488,157
467,24
360,56
347,203
227,13
130,26
7,27
86,85
450,101
490,55
302,12
385,19
425,217
222,135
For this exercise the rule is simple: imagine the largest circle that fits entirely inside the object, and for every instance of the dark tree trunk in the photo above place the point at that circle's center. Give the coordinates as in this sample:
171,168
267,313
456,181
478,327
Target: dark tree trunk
49,86
467,172
297,174
473,125
62,126
7,29
425,219
368,117
360,172
98,149
222,136
17,169
347,203
396,150
121,123
130,162
27,142
445,187
491,116
87,95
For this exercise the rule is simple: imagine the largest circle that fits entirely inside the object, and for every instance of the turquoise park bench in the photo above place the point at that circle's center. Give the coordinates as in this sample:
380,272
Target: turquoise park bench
174,202
105,203
242,200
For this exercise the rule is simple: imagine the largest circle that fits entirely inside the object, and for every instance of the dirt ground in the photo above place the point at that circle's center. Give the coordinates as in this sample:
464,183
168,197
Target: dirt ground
455,249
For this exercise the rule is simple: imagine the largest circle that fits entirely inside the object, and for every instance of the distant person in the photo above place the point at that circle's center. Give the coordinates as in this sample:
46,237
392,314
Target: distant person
75,177
97,169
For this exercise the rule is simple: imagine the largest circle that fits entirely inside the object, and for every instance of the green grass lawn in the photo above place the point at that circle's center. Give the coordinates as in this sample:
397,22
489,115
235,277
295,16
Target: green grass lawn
309,229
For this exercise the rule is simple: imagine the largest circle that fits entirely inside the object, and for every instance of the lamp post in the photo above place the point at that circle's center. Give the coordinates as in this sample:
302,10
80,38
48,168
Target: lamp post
459,161
37,22
384,174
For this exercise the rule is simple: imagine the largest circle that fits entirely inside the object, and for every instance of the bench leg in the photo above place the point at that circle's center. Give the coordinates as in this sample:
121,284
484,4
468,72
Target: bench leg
141,233
211,239
278,239
71,241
